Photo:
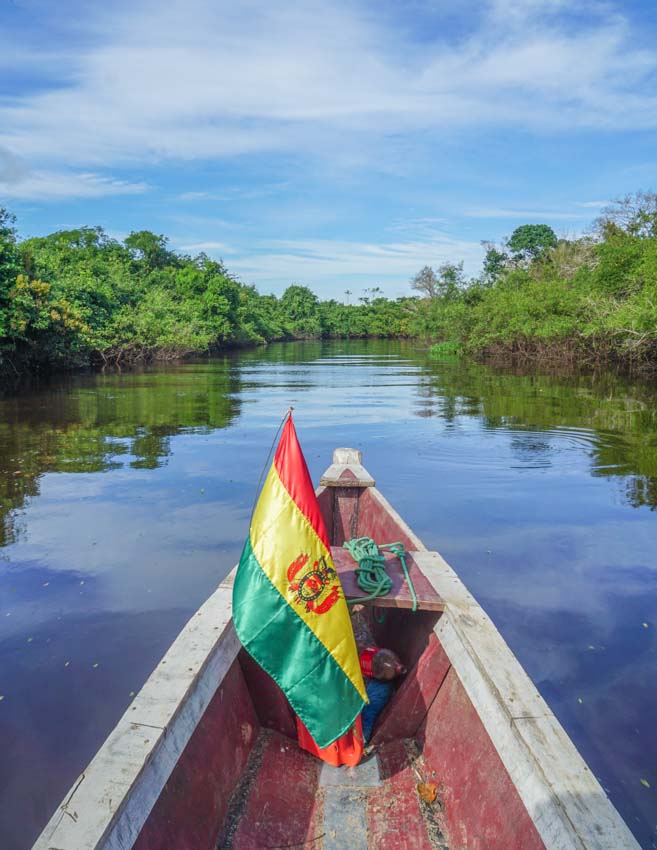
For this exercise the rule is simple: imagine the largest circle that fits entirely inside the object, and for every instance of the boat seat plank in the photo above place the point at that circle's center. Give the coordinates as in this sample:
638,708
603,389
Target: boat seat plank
400,595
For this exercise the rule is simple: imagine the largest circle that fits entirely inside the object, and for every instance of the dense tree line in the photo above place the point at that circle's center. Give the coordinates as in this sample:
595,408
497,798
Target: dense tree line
589,299
79,297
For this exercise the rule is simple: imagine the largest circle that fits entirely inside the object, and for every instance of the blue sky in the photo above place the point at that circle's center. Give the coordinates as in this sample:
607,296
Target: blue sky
342,145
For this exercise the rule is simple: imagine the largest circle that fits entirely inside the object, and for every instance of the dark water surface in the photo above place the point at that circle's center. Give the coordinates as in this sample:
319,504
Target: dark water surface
124,499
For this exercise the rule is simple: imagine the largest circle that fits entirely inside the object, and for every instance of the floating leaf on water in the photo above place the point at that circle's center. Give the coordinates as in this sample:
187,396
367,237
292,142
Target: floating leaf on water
645,783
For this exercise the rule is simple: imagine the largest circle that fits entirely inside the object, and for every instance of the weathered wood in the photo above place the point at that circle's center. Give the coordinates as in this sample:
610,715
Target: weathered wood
405,712
194,802
507,766
282,809
400,594
347,456
568,807
483,809
394,817
109,803
270,703
346,471
378,519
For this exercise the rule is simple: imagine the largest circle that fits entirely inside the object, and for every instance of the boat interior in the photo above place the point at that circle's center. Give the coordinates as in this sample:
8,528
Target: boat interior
414,788
465,754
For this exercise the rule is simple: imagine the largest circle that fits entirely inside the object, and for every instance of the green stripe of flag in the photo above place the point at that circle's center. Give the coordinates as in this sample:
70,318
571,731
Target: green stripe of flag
279,640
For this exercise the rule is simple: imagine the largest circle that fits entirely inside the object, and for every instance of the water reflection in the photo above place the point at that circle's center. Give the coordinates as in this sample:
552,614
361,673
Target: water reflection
104,422
124,499
611,418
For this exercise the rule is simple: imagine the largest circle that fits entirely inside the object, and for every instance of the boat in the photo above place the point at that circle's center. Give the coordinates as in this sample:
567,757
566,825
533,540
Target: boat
465,755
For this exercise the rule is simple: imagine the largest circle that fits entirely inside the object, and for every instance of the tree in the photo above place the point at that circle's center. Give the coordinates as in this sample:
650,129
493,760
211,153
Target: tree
9,264
495,262
634,215
451,280
445,283
426,282
150,249
300,307
529,241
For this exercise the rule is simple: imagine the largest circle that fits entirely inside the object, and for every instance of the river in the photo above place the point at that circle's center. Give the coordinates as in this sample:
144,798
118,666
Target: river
125,498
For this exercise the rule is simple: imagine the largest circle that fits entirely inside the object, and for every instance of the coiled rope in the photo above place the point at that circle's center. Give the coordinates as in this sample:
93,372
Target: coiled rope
371,574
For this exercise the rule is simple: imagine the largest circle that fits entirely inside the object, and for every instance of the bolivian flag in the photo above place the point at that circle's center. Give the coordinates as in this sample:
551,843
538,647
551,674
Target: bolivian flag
289,609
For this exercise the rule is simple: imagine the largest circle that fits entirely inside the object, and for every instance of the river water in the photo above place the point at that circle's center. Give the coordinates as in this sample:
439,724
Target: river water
125,498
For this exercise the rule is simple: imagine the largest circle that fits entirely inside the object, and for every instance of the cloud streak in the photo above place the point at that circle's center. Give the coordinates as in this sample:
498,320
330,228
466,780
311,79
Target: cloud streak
328,264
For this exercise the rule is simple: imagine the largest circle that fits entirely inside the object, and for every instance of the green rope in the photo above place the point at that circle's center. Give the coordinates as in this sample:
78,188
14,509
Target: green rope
371,574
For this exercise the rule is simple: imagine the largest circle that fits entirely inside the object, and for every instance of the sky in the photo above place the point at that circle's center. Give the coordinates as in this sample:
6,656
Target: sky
340,145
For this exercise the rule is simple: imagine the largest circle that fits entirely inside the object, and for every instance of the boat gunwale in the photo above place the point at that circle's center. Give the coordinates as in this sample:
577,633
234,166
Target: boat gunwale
566,803
109,802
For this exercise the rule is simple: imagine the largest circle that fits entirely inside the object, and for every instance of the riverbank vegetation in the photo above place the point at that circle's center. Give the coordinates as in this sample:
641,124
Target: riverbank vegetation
79,297
586,300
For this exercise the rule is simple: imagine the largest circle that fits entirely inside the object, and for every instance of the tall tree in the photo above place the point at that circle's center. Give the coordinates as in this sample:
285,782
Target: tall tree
495,262
529,241
150,249
425,282
445,283
635,215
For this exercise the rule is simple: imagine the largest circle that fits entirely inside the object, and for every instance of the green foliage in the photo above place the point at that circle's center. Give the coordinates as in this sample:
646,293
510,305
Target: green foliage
9,266
445,283
441,350
634,215
79,296
495,263
529,241
579,299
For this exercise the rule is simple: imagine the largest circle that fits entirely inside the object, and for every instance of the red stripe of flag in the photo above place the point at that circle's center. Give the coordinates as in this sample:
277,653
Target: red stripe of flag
293,472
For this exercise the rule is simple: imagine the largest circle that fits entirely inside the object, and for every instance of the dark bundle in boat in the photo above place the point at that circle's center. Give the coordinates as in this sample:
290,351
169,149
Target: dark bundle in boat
466,754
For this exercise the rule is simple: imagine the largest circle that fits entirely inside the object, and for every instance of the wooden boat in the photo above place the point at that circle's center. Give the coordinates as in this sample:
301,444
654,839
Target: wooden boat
206,755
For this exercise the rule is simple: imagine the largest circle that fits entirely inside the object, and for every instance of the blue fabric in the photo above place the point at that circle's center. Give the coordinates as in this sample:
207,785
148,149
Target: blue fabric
379,694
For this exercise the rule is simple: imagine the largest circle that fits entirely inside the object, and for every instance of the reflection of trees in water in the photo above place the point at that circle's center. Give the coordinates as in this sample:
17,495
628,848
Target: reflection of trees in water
101,422
613,418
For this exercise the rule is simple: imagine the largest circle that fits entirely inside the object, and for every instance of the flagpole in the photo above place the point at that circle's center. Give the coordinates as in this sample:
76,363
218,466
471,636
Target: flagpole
287,415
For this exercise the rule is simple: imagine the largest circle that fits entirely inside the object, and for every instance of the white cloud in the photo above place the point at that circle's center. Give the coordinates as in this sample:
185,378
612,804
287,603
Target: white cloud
202,79
59,185
324,264
209,247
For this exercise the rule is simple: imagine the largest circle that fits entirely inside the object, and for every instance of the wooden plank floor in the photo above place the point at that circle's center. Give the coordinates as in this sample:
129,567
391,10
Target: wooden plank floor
290,799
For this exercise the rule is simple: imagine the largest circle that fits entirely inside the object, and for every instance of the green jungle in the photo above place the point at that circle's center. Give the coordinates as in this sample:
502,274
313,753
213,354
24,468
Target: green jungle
79,298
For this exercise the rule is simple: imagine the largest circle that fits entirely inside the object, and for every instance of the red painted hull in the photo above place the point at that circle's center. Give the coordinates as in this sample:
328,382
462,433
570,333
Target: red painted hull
224,769
282,802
